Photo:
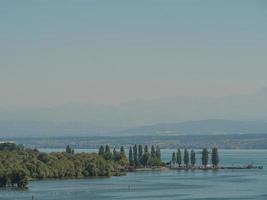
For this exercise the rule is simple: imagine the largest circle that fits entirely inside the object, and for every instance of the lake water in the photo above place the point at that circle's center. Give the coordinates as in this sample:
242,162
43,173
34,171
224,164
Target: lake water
158,185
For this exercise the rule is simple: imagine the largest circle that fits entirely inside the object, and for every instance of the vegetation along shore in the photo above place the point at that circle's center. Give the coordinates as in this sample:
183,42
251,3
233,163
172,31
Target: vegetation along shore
19,165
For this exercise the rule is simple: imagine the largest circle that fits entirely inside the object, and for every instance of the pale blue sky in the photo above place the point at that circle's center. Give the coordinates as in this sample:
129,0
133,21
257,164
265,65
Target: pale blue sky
60,51
199,41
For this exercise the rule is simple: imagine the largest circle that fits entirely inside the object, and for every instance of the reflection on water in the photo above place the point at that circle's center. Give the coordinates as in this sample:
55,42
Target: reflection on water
167,184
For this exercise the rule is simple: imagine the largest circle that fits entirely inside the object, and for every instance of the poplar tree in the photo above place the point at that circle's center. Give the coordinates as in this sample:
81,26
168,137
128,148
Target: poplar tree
140,153
186,157
146,149
153,152
107,149
179,157
115,157
101,150
68,149
205,157
146,156
122,152
158,154
131,156
193,158
135,156
107,154
173,157
215,157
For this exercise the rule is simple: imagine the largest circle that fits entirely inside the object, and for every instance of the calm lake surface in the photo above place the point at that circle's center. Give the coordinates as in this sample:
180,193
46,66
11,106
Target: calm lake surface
167,184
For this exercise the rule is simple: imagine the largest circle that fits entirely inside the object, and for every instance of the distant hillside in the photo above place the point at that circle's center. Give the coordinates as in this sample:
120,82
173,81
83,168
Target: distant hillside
203,127
75,129
9,128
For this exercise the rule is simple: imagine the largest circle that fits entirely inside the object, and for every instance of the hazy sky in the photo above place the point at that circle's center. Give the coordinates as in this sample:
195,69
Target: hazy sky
58,52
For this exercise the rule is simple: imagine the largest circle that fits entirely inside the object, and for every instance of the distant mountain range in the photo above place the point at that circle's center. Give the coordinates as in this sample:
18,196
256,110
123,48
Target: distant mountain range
201,127
58,129
10,128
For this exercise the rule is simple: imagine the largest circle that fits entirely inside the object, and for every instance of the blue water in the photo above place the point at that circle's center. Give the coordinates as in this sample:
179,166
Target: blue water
167,184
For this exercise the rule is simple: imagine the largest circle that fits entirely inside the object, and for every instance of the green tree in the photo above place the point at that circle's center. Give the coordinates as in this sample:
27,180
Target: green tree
131,161
146,149
4,180
140,153
158,154
68,149
146,158
122,152
173,157
179,157
205,157
101,150
135,155
193,158
115,155
153,152
215,157
186,157
108,155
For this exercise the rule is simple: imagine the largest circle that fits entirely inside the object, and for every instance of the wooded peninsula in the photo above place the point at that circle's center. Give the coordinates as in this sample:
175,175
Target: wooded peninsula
19,165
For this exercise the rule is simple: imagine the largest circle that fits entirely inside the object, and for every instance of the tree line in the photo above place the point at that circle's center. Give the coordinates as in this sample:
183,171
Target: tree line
138,155
19,165
190,159
142,157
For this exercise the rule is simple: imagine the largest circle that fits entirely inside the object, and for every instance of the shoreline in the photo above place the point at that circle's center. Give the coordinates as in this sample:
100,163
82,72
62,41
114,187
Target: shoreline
143,169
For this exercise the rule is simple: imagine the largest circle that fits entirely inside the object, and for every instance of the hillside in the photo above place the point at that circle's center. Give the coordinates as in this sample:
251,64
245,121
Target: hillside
202,127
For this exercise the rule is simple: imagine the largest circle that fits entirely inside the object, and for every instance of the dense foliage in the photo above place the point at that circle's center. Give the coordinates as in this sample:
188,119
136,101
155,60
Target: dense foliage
140,158
18,165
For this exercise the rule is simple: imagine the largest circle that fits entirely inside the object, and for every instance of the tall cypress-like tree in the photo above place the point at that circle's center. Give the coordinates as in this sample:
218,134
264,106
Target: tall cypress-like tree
146,149
193,158
101,150
205,157
115,157
145,158
153,152
173,157
131,161
107,149
186,157
108,155
179,157
140,153
122,152
215,157
72,151
135,155
68,149
158,154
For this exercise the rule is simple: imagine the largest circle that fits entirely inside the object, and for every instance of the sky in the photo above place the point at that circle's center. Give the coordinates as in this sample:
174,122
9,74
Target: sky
96,53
